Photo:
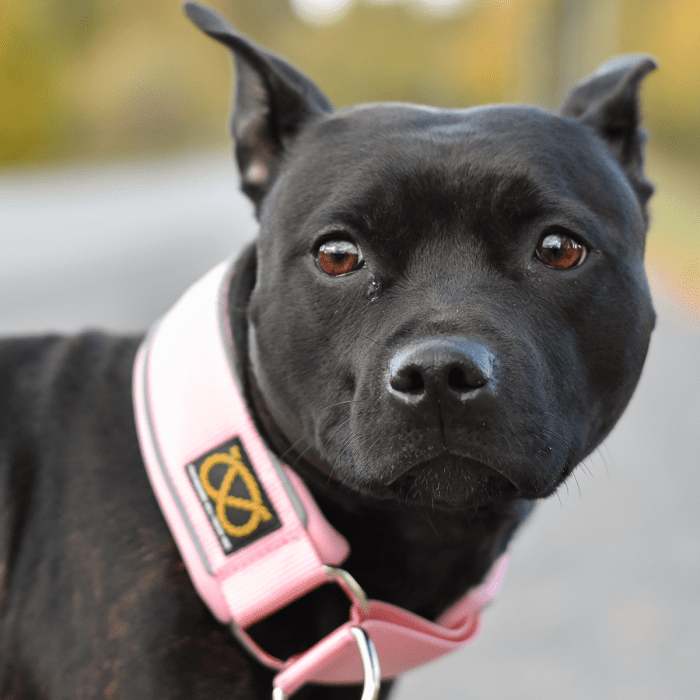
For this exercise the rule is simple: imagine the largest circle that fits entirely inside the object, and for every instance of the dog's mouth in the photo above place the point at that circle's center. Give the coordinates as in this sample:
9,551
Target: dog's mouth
449,481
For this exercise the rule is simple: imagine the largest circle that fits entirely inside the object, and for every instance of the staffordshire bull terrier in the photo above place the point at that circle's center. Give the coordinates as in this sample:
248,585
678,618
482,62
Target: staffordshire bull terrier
444,312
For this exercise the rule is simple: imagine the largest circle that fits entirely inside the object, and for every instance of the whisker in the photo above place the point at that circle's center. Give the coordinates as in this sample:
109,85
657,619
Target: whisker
601,450
578,486
341,403
335,430
372,340
293,446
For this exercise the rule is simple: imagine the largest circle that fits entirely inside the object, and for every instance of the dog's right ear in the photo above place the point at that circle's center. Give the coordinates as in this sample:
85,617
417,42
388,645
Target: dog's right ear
272,103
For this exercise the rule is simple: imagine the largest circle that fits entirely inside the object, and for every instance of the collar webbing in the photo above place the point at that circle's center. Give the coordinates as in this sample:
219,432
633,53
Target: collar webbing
250,533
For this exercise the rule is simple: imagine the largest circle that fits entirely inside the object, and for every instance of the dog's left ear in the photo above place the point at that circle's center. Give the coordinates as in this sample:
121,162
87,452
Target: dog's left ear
608,103
272,103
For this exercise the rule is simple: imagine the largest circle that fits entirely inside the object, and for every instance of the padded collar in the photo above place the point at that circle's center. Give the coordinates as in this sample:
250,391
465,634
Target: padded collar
249,531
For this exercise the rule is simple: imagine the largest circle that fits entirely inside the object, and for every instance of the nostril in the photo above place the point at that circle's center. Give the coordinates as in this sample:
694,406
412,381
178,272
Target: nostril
462,379
451,367
457,381
407,381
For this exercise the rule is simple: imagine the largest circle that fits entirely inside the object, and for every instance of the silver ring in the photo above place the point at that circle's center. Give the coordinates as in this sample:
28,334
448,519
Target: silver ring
348,583
370,666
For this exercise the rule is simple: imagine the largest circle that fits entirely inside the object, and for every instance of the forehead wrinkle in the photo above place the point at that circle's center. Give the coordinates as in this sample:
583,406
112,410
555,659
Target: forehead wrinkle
506,196
389,192
425,200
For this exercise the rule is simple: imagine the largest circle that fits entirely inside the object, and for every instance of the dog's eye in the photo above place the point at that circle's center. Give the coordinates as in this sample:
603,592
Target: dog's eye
560,251
338,257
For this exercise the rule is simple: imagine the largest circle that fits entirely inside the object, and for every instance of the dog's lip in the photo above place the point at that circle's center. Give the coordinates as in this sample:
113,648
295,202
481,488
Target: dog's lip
487,485
466,459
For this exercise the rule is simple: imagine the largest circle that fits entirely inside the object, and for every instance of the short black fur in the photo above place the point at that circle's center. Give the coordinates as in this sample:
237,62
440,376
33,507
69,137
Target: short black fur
428,398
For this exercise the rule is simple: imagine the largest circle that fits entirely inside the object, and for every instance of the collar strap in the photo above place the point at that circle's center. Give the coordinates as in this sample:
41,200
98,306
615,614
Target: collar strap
250,533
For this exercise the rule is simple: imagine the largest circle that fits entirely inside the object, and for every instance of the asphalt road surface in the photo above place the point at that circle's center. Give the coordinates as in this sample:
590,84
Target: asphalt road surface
601,598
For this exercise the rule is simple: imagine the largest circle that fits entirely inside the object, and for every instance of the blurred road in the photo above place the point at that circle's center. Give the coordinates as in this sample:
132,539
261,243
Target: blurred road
113,247
601,599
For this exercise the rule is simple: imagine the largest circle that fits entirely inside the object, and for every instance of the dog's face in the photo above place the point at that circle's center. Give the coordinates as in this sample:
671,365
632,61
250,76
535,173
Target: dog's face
450,307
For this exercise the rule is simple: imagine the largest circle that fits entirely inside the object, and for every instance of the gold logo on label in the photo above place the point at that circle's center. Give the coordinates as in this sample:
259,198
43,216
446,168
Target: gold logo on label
223,497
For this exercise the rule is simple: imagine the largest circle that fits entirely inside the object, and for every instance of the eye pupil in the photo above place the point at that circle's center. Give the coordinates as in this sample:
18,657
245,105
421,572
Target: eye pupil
560,251
338,257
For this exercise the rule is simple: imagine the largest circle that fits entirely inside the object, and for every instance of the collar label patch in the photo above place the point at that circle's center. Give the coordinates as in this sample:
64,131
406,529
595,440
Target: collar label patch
233,498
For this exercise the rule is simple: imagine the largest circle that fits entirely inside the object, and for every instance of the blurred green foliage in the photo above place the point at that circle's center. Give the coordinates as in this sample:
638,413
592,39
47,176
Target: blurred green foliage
98,78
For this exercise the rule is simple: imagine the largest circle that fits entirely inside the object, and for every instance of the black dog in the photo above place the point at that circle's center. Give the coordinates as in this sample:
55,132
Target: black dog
445,311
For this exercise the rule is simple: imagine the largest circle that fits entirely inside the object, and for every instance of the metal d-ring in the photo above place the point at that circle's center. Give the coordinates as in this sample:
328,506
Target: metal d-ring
370,666
370,663
350,587
348,583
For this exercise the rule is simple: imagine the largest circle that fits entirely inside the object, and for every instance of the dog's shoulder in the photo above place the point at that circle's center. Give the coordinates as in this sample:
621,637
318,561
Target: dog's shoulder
32,367
89,573
80,532
64,406
53,386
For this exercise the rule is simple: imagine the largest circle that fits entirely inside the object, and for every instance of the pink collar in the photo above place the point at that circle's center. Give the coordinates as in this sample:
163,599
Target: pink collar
249,531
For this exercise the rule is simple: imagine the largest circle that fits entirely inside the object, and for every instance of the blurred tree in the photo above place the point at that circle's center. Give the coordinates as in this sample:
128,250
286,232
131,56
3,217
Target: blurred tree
38,42
670,30
562,41
98,78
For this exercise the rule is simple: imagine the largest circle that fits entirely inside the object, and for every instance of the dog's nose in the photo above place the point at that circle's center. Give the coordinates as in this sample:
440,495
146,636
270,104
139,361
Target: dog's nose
450,367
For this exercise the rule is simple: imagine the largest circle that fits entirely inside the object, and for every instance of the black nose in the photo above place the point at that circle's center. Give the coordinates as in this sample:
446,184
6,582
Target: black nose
450,367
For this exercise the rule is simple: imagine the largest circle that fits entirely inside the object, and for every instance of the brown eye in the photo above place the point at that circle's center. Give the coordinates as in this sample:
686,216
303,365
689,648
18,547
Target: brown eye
560,251
338,257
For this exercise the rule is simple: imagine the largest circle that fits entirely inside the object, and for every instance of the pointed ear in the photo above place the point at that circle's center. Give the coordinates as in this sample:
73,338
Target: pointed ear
272,103
608,103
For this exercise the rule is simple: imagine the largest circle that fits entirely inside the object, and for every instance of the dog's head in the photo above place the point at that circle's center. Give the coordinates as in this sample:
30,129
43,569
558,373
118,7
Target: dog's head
450,306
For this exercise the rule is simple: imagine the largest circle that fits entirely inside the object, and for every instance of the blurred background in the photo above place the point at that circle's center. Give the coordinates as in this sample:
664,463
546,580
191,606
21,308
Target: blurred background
117,190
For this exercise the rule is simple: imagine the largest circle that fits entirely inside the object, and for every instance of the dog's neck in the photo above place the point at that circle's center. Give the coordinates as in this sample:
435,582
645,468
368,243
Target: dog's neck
407,555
